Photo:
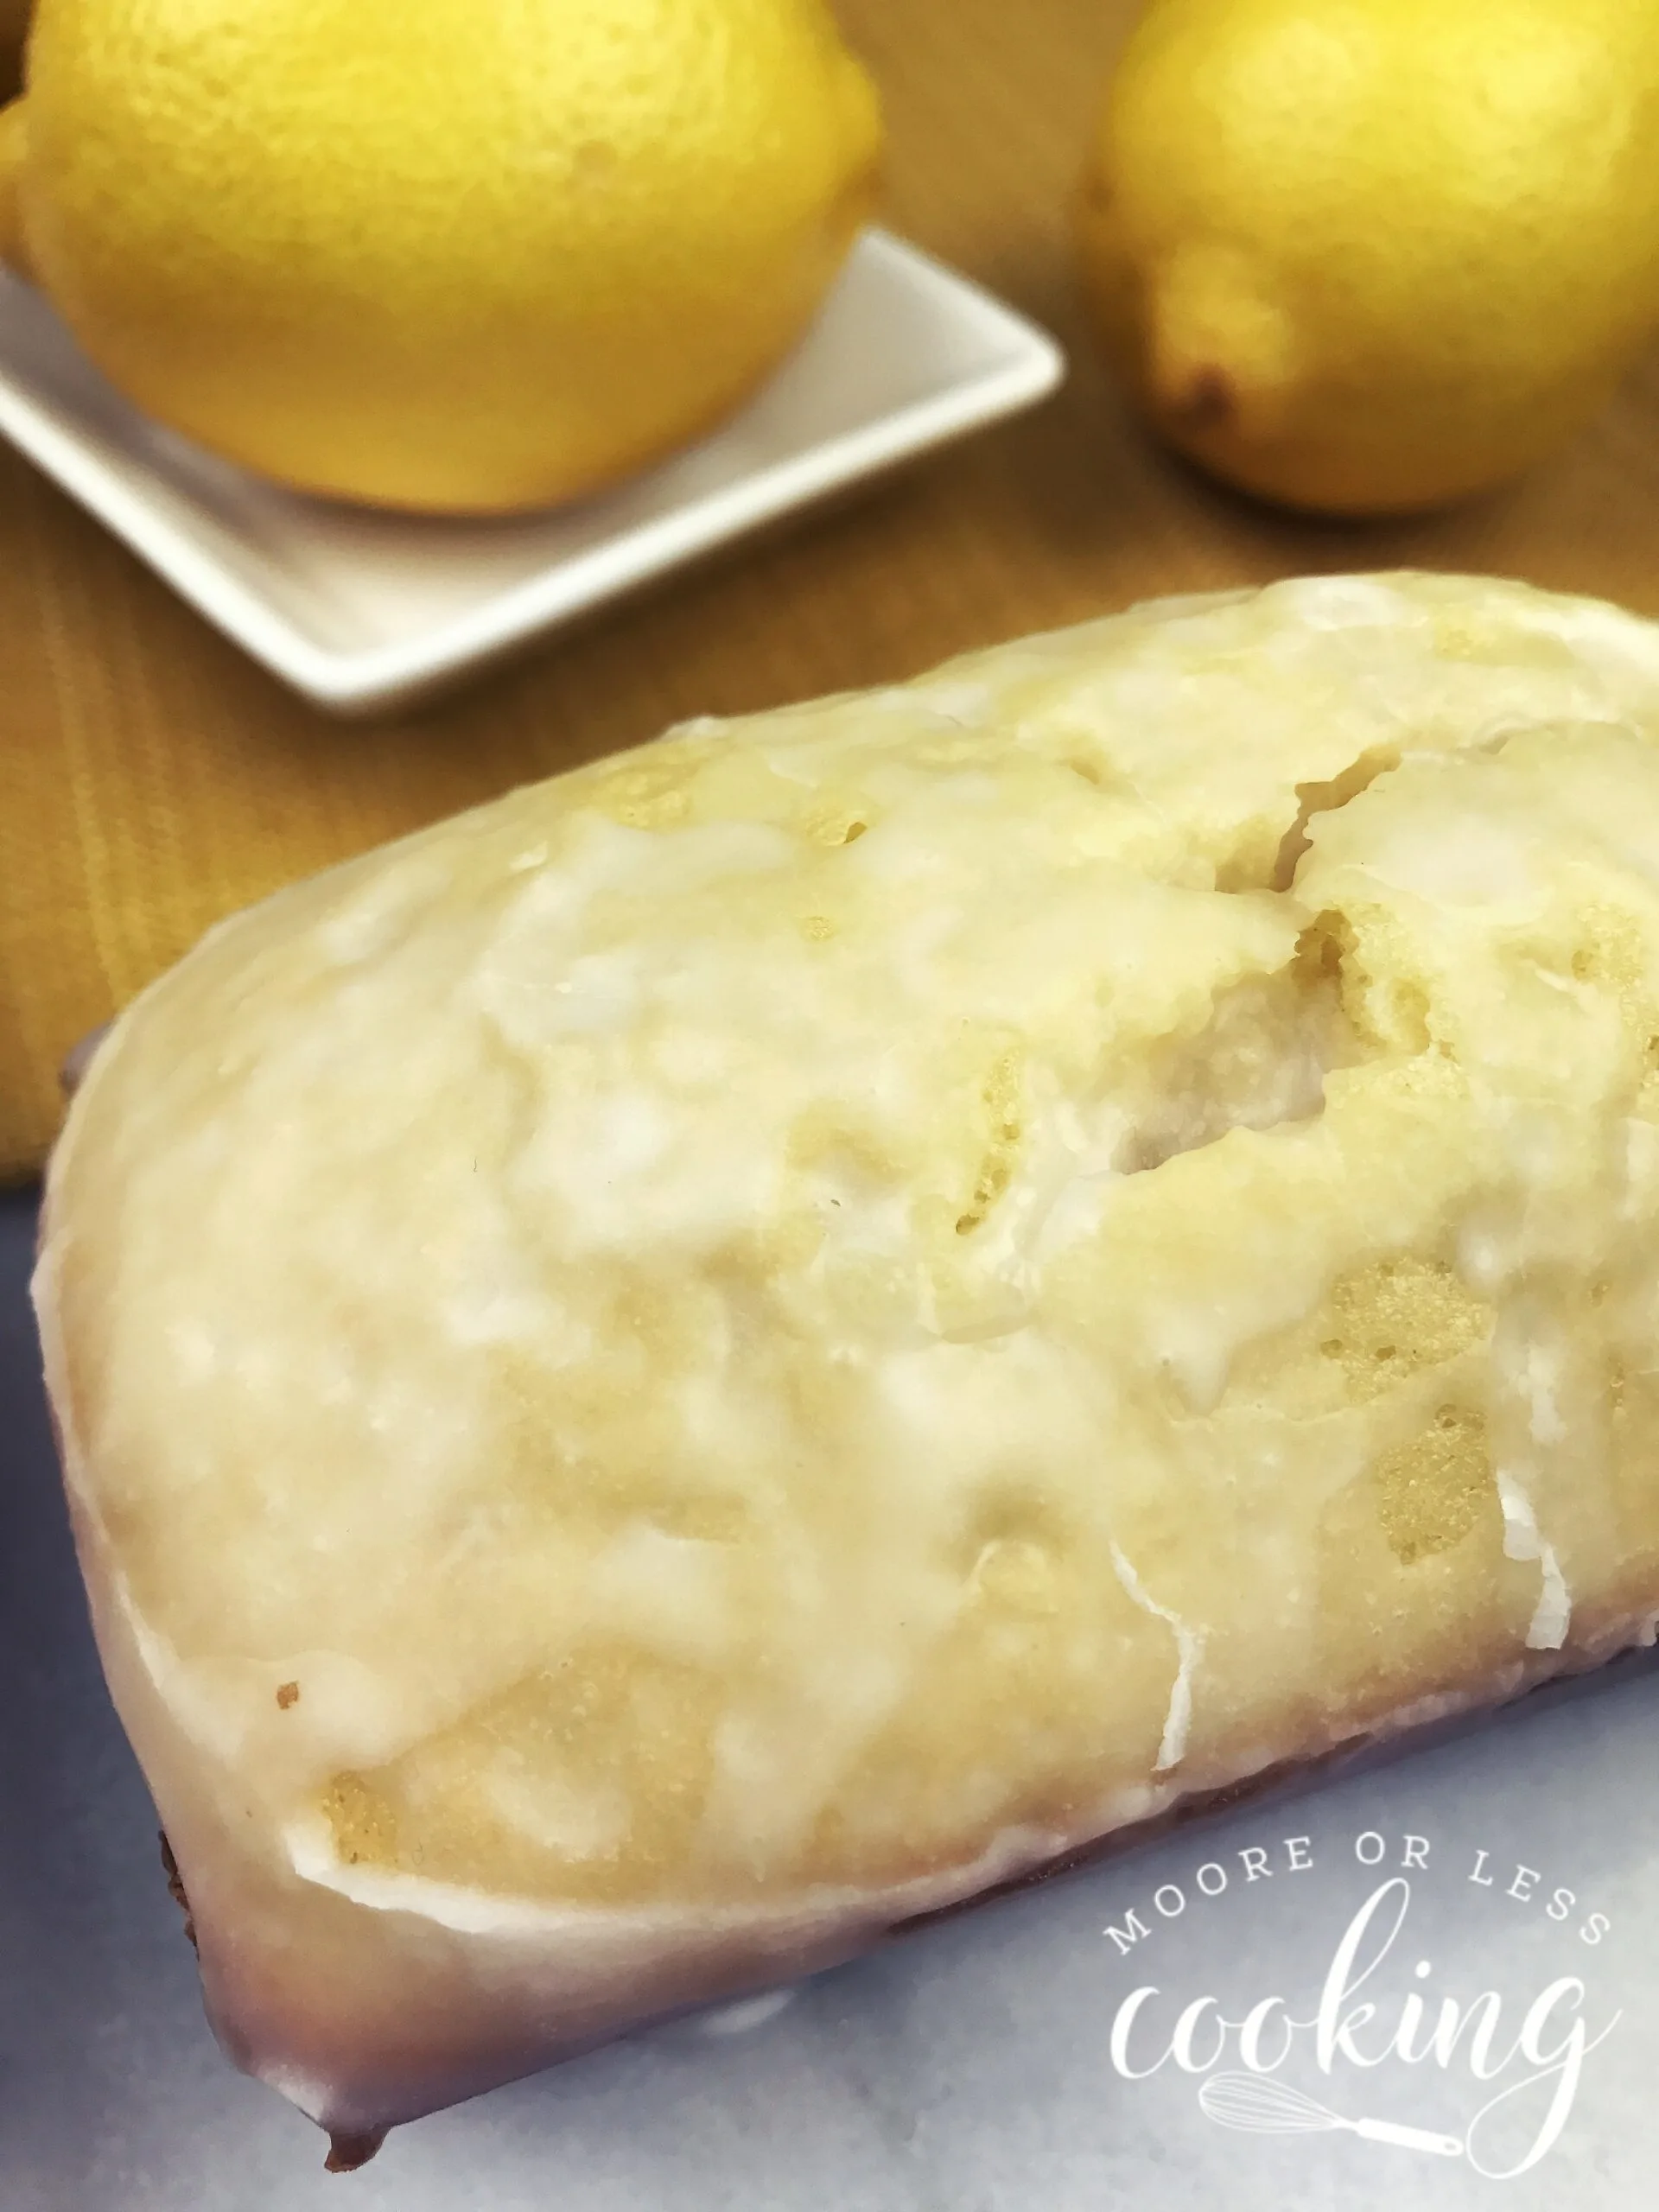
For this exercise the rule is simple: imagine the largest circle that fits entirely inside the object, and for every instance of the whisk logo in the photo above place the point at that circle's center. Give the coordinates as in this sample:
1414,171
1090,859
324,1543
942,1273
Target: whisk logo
1381,2019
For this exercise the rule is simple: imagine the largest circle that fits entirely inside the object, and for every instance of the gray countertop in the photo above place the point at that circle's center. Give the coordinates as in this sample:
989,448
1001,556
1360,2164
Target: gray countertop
999,2063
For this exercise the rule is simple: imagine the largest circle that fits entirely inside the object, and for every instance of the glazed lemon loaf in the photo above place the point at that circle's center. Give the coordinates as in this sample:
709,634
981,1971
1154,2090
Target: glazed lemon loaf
758,1338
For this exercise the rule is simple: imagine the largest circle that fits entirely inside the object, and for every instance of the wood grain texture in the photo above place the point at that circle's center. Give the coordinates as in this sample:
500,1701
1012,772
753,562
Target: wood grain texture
151,779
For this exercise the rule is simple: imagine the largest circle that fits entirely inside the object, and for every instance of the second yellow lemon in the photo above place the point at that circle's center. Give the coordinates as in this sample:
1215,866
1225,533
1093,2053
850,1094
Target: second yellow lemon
453,255
1363,255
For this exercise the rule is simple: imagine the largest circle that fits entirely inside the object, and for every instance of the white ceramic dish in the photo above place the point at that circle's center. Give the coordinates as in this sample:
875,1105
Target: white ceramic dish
362,611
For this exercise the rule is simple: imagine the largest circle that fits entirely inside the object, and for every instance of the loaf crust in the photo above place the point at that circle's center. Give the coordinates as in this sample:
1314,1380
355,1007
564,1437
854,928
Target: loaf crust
760,1338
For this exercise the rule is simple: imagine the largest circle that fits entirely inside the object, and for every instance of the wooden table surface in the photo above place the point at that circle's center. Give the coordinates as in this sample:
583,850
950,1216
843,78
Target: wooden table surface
151,777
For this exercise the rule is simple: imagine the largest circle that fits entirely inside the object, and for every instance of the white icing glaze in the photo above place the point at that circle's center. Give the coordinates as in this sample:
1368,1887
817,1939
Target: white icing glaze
1189,1648
751,1342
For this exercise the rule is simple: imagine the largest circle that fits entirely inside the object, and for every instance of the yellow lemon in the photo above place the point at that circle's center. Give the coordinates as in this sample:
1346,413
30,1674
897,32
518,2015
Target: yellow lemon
451,255
1370,255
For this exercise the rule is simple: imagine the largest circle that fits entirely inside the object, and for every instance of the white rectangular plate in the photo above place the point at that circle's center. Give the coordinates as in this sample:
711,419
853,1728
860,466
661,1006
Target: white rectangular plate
362,611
